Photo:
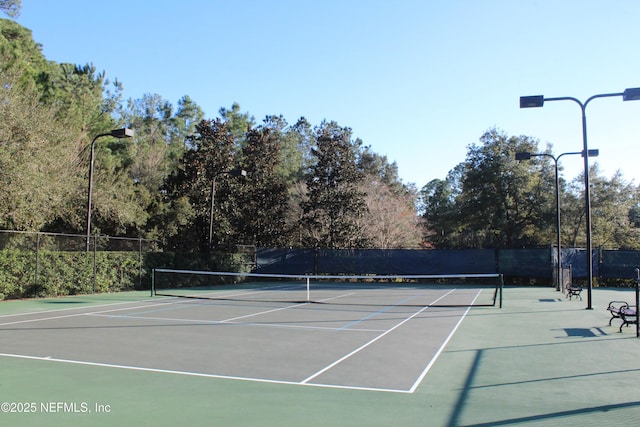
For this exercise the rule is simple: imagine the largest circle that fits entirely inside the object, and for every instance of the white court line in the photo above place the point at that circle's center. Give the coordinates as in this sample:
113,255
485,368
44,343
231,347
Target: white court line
362,347
173,299
42,319
441,349
192,374
262,312
233,320
229,322
221,294
55,310
89,307
305,382
176,300
281,308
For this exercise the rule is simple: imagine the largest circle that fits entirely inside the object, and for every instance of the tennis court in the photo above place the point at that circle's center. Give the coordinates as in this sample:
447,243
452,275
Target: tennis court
131,359
358,336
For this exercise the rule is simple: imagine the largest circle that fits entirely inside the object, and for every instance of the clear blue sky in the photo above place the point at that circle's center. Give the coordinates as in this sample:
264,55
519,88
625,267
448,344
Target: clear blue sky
417,80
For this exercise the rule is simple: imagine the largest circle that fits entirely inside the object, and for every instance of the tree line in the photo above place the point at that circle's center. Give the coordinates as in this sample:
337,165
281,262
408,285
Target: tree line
306,185
493,200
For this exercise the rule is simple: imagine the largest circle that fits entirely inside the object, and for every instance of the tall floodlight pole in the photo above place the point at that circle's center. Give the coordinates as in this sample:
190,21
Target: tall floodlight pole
538,101
526,156
116,133
233,172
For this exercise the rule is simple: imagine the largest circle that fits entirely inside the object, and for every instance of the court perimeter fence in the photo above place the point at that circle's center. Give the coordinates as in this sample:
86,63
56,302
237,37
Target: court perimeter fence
37,264
520,266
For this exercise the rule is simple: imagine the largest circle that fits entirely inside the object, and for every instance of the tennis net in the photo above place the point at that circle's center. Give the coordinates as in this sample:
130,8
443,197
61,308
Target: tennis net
400,290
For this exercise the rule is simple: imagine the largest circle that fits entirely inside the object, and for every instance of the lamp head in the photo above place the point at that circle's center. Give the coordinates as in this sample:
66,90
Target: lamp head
122,133
632,94
523,156
531,101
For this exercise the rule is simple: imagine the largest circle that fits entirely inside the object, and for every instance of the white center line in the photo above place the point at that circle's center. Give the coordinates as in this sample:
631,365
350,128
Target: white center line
362,347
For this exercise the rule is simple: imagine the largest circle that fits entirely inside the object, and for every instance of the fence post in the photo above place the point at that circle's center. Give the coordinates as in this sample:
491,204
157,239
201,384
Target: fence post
153,281
140,261
95,262
36,278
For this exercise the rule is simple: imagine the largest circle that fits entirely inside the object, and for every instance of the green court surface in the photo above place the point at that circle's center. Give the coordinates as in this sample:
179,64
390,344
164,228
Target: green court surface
541,360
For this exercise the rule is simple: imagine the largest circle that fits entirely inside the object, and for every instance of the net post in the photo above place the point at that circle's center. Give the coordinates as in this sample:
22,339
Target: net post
153,277
501,286
308,291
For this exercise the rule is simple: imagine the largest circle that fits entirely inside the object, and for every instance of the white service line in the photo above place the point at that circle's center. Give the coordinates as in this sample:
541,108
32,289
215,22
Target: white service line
233,319
228,322
362,347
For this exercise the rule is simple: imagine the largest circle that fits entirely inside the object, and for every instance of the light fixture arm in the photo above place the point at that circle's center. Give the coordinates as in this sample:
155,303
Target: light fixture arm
631,94
116,133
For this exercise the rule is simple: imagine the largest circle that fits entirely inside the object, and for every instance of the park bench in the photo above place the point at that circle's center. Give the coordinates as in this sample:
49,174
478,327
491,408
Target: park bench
628,316
622,310
614,308
573,291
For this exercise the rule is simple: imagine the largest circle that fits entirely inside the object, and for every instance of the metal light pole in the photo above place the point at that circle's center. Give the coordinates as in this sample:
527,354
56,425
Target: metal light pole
116,133
538,101
526,156
233,172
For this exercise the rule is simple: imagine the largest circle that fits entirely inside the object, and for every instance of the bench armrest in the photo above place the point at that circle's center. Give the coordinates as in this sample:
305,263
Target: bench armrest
617,306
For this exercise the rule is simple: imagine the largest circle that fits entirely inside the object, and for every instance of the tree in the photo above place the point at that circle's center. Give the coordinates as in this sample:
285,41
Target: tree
189,190
332,216
611,206
11,7
391,221
305,139
238,124
378,167
262,211
491,200
184,122
65,106
21,54
81,95
160,141
290,165
151,117
39,170
439,212
161,135
613,203
500,199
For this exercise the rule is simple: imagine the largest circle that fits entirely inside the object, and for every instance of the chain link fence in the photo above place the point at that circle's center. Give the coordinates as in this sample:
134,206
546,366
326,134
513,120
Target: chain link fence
52,264
36,264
